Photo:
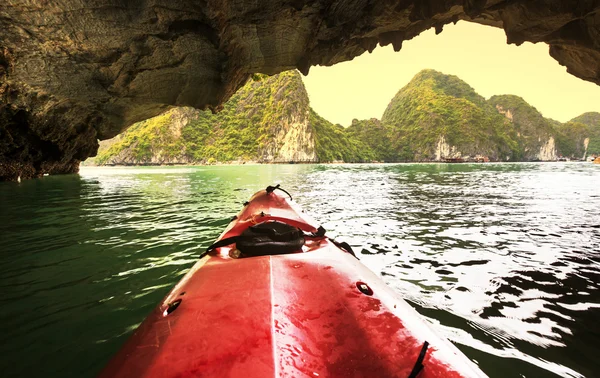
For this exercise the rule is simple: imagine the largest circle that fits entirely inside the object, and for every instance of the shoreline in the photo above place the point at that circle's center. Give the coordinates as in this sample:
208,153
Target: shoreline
237,163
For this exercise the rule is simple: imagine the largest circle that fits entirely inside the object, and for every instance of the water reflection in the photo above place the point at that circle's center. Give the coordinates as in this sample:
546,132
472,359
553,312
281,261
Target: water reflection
498,257
477,249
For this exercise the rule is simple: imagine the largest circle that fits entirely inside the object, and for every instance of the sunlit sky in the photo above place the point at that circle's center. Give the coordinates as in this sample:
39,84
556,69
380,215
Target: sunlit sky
479,55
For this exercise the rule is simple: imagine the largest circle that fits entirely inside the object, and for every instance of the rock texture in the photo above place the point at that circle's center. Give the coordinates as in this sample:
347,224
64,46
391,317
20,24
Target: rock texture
535,134
547,151
435,117
591,123
294,141
150,142
445,151
267,121
75,71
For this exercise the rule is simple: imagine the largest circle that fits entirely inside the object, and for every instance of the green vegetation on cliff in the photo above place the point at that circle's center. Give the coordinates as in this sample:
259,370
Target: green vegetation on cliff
334,143
144,140
571,139
434,117
374,135
249,127
533,131
435,112
592,121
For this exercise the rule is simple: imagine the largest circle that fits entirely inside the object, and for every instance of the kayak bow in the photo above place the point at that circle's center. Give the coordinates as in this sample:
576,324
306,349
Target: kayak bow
265,311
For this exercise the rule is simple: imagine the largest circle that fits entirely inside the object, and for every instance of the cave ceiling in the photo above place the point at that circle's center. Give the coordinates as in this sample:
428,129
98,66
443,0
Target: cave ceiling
75,71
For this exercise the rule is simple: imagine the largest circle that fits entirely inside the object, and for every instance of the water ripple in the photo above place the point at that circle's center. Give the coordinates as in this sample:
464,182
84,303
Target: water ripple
500,258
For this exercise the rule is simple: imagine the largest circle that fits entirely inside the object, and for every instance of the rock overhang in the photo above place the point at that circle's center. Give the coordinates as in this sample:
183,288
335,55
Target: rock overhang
75,71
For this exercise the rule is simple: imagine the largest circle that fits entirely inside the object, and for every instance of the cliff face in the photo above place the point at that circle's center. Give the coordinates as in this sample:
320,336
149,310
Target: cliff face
267,120
590,131
437,117
294,141
73,72
573,139
286,119
433,118
536,137
154,141
376,136
335,144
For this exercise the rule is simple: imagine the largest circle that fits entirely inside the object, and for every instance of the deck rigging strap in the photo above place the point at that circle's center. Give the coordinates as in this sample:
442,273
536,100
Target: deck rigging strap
278,235
267,238
345,246
222,243
271,189
249,239
419,363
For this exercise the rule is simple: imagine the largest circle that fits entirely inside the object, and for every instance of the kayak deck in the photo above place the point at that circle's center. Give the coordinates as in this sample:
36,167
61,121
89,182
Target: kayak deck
315,314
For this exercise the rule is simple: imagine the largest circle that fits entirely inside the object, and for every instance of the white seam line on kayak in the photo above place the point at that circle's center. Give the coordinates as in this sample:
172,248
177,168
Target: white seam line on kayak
275,364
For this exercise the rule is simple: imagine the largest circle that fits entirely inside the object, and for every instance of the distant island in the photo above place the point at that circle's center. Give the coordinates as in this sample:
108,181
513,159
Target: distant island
434,118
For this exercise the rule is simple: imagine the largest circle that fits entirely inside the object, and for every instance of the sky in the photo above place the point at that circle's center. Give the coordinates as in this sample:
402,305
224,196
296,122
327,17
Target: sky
479,55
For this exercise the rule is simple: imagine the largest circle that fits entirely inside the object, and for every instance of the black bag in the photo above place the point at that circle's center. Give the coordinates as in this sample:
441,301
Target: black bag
267,238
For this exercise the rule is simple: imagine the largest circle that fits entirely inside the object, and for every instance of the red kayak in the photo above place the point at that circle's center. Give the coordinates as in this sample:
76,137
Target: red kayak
275,297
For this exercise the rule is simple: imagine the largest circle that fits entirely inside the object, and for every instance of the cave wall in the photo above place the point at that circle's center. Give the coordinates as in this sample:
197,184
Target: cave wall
74,71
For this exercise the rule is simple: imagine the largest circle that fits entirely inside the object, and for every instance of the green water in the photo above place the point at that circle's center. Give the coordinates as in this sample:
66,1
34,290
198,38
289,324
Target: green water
503,259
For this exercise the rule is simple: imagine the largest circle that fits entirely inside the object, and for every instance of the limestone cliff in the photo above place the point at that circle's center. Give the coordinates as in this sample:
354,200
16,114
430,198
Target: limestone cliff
547,150
376,136
268,120
437,117
73,72
590,132
445,151
536,136
155,141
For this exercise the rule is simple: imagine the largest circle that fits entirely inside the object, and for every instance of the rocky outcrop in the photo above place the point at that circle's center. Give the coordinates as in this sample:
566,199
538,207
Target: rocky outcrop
294,141
547,150
592,122
507,113
267,121
131,148
73,72
435,117
446,151
535,134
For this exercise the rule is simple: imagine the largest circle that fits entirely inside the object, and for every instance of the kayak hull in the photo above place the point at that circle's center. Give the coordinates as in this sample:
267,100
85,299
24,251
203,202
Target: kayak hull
320,313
